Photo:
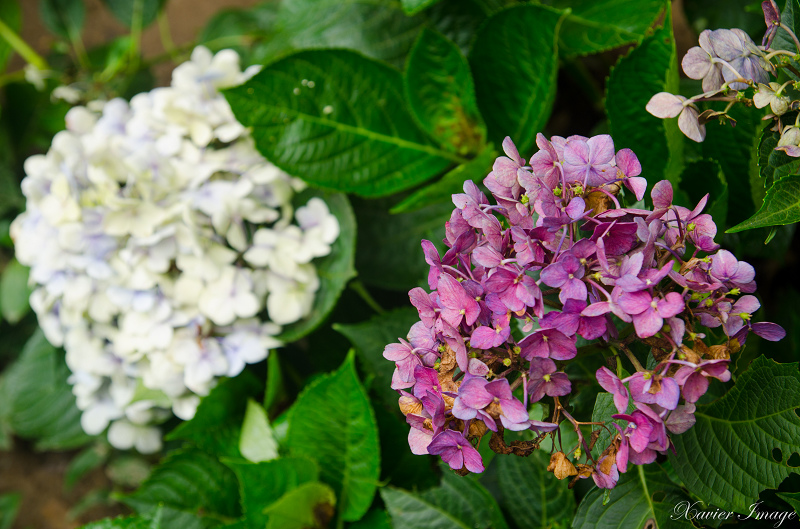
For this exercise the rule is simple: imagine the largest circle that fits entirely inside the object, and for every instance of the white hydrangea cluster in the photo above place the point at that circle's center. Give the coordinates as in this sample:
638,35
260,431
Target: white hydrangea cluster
156,235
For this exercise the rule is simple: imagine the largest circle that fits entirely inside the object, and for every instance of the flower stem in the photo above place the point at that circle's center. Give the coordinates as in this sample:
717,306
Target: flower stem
359,288
791,34
22,47
164,33
630,356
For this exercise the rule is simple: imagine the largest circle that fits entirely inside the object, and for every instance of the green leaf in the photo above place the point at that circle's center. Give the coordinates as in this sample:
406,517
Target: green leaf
309,506
781,206
792,498
713,14
452,182
63,18
774,165
374,519
11,15
599,25
332,422
706,176
532,496
9,506
782,40
14,292
216,425
458,503
334,270
648,69
371,337
257,443
41,404
438,85
604,408
193,488
514,61
238,28
128,11
148,521
262,484
643,498
729,456
339,121
376,28
393,259
412,7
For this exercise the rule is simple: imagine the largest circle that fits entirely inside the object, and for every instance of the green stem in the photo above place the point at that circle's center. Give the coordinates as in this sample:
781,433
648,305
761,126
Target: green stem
164,33
631,357
359,288
136,35
80,50
21,47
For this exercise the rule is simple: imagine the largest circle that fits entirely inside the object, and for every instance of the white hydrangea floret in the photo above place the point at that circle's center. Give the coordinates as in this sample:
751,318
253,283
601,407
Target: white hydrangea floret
164,250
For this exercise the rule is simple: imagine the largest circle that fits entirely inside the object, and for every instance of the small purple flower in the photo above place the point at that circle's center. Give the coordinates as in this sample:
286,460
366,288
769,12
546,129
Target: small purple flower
698,63
570,321
406,361
485,337
505,168
602,479
648,312
741,312
732,272
516,290
427,379
419,436
425,305
546,381
694,379
472,400
456,303
566,274
589,162
548,343
639,429
611,383
772,18
545,164
651,388
513,414
456,451
629,169
681,418
665,105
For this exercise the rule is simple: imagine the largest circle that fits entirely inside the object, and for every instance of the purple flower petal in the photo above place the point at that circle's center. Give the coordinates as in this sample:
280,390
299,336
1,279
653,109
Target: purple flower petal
665,105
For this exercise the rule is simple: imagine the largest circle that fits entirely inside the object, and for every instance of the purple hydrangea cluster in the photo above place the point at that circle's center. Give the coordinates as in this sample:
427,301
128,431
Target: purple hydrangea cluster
728,62
556,258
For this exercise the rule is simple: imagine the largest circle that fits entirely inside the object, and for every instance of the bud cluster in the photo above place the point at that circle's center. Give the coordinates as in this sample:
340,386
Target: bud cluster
557,258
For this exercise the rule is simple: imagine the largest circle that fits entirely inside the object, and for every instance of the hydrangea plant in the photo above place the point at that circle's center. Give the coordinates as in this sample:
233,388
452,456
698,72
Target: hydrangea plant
556,259
165,250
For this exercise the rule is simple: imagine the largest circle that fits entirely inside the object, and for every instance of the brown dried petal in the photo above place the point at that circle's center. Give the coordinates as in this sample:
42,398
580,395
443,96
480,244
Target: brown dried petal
409,404
560,466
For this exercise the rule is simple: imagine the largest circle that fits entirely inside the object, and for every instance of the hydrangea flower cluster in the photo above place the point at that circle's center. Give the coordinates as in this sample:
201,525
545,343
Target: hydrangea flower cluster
558,250
728,62
159,239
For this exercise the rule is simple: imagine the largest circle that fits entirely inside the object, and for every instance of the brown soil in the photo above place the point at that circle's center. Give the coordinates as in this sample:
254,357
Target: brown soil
39,477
